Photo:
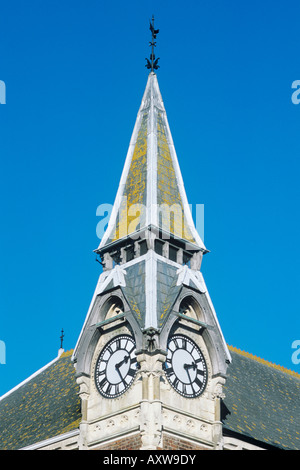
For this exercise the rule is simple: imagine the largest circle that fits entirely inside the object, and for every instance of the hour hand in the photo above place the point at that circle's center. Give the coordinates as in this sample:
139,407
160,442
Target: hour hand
125,360
190,366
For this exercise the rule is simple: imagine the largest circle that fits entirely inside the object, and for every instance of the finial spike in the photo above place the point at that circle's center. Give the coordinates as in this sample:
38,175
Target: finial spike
61,339
61,350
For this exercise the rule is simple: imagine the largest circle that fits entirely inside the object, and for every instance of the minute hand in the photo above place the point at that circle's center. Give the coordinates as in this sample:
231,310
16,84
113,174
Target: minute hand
117,367
120,375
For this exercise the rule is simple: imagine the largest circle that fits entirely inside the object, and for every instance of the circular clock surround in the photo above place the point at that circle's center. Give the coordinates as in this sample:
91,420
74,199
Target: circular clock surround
185,366
116,366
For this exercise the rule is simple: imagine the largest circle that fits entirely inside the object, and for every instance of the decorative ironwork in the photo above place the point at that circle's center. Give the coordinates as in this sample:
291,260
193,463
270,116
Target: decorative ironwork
61,338
153,62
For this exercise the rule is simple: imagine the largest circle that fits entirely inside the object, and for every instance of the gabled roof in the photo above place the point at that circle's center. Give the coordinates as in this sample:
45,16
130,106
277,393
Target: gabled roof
43,406
262,401
151,184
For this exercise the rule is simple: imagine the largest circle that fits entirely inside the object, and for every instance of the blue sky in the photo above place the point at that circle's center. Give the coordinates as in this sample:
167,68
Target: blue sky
75,75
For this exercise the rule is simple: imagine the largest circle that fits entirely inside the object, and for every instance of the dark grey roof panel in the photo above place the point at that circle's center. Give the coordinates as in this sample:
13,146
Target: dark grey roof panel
167,290
43,407
262,401
135,291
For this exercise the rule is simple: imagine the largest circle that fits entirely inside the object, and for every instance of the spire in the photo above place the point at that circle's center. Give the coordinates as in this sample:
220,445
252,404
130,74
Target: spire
151,193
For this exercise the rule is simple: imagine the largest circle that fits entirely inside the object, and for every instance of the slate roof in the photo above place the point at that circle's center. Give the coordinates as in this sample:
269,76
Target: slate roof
167,289
135,291
262,401
262,404
44,406
164,284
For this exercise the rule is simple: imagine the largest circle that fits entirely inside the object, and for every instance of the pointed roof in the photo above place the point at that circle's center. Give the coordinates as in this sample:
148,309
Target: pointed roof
151,191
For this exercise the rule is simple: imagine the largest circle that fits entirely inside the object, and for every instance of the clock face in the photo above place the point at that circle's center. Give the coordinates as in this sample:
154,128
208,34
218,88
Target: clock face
116,367
185,367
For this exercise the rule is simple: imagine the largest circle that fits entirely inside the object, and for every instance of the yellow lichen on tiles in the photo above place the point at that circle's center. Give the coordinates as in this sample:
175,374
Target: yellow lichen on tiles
136,310
172,218
67,353
263,361
134,195
165,310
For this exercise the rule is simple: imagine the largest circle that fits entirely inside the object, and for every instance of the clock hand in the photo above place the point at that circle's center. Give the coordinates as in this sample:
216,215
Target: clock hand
187,367
121,377
188,375
125,360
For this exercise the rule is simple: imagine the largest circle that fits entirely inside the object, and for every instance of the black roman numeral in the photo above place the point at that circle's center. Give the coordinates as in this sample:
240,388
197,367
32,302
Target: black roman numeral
198,360
176,382
131,373
103,383
168,360
169,371
131,350
198,382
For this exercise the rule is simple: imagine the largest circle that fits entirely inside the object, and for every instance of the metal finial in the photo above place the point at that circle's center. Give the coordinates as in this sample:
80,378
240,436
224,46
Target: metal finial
61,339
152,63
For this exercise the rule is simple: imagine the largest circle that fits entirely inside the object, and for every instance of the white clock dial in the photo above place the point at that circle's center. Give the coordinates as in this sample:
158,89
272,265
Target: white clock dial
185,367
116,366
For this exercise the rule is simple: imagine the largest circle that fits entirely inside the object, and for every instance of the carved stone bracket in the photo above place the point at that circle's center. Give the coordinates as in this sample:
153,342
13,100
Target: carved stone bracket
150,339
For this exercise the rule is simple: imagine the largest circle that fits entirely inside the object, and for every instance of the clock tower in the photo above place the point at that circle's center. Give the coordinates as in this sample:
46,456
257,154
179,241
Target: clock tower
151,358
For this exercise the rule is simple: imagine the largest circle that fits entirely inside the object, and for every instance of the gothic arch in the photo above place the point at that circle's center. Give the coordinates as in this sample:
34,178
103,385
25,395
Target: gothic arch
191,308
195,306
111,308
104,308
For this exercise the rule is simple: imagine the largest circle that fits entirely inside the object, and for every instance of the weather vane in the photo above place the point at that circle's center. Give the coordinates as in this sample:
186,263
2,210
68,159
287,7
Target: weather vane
152,63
